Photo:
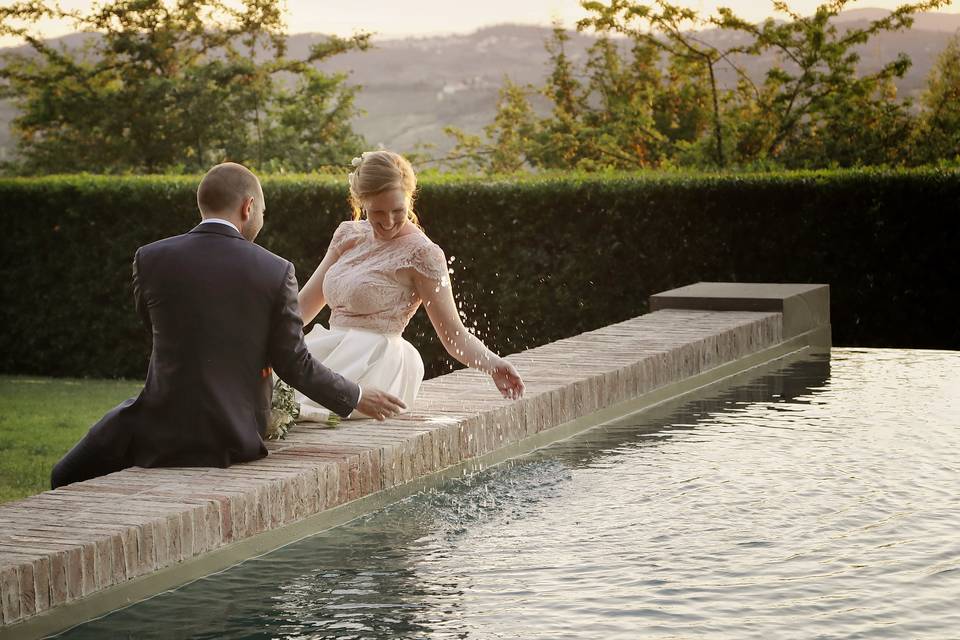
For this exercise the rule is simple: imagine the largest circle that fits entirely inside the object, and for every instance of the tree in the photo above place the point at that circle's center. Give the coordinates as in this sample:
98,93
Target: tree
513,136
938,136
620,111
160,86
562,140
621,123
653,96
672,29
814,108
516,138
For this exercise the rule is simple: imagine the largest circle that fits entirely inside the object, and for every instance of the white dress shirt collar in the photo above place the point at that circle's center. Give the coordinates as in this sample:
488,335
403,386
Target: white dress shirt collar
220,221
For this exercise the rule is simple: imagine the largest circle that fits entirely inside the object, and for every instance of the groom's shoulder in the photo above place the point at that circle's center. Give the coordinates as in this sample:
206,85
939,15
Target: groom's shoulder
183,241
162,244
257,258
265,256
180,247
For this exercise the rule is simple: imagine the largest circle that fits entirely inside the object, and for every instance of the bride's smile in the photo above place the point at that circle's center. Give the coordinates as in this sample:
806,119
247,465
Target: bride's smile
387,213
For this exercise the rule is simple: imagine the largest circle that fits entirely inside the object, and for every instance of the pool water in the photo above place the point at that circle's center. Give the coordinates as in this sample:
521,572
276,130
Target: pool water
819,500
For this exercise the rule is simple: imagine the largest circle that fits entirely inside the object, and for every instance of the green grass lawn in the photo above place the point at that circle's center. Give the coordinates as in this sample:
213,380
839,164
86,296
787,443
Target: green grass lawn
41,419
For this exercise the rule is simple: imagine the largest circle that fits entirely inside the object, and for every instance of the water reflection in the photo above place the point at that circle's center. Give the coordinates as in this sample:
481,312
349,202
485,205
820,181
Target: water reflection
815,501
361,576
784,389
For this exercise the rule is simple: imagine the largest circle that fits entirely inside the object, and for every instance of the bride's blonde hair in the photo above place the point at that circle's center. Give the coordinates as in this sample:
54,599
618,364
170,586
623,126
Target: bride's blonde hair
378,171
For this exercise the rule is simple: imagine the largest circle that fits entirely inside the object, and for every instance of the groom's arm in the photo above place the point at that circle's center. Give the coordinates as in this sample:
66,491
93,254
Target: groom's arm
292,361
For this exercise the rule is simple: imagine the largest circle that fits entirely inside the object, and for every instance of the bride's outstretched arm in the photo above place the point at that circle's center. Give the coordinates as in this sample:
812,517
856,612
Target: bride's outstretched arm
462,345
310,298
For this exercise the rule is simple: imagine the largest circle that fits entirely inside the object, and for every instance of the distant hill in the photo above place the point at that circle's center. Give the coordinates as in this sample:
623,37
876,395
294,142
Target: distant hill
940,22
413,87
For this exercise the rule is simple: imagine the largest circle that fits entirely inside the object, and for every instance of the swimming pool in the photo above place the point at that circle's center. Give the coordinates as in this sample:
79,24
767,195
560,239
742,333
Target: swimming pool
818,500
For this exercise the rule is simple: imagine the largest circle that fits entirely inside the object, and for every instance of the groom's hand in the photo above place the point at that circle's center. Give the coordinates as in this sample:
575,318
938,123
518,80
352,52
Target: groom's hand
379,404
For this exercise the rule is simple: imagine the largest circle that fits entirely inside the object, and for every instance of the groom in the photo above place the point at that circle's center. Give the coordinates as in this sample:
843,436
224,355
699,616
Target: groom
222,310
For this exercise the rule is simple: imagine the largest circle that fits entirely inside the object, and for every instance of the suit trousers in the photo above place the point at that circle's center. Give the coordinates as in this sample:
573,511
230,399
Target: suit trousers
83,462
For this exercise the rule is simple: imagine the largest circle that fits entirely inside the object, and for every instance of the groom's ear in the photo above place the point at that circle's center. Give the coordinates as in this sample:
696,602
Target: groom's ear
246,210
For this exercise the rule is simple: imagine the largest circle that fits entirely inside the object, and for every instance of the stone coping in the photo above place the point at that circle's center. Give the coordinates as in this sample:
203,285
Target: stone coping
63,546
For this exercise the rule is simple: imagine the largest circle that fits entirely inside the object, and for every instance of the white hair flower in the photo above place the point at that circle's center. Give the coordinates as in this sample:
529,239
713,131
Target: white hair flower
359,160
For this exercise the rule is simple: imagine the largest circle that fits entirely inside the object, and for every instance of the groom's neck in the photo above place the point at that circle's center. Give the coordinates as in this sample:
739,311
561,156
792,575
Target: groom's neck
221,220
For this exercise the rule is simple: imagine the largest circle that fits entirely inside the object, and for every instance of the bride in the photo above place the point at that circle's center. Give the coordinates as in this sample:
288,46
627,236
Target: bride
379,267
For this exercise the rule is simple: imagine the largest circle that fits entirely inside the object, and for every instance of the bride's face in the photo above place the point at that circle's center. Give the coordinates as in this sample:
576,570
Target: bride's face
387,213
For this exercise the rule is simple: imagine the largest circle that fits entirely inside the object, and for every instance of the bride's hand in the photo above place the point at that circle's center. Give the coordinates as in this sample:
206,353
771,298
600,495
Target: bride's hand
507,379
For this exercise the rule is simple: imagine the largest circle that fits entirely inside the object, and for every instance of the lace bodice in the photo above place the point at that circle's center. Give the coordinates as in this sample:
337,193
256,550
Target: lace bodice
364,287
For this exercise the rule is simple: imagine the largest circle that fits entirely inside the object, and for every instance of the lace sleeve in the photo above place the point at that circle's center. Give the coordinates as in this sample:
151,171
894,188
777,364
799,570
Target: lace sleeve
429,260
345,236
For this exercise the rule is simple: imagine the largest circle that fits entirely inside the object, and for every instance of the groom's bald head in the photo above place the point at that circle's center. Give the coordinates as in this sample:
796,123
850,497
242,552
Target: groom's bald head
225,187
226,191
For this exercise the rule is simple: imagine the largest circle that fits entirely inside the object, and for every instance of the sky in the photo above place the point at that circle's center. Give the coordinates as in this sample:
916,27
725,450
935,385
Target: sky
412,17
390,18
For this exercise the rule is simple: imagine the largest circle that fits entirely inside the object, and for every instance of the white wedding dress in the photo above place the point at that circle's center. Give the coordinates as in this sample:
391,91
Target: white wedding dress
371,300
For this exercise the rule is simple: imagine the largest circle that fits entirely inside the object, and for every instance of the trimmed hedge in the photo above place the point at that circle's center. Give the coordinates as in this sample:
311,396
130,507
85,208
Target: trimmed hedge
535,259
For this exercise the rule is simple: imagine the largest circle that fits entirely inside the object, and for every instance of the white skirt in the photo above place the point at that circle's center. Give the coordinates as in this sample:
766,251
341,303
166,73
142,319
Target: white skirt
372,360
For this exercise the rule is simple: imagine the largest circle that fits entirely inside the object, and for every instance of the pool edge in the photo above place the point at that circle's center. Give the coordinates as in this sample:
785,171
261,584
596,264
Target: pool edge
66,616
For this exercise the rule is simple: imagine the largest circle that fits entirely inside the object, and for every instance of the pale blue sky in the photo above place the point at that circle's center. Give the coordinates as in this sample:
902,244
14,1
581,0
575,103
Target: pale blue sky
390,18
410,17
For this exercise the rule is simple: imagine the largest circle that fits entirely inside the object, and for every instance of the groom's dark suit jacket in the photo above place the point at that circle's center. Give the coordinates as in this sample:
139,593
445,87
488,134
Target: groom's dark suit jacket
221,309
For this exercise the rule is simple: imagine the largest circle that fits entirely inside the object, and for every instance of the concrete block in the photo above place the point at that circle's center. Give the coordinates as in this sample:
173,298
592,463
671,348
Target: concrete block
805,307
